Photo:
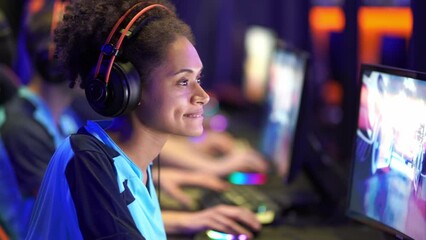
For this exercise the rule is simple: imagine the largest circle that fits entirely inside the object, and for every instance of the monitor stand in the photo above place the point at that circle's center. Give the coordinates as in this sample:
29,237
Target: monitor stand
318,191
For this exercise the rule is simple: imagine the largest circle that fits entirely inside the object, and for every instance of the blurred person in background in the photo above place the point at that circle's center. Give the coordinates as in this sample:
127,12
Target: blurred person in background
8,88
34,122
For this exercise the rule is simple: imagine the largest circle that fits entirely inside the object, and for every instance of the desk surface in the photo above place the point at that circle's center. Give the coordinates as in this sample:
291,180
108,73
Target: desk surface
342,232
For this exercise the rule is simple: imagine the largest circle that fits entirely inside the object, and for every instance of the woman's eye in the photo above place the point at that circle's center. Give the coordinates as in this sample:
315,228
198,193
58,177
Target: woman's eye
200,79
183,82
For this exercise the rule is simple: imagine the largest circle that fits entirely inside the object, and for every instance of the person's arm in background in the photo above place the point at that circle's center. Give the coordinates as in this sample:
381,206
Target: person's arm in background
172,180
214,142
201,155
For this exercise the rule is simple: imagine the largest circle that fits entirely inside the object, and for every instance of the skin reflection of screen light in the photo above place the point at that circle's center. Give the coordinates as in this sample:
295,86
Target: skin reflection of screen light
218,123
216,235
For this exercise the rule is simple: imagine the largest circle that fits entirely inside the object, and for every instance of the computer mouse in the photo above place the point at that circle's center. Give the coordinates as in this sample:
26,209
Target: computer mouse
219,235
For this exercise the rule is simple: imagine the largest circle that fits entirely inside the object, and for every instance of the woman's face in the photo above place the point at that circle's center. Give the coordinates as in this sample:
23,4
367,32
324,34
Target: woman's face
173,101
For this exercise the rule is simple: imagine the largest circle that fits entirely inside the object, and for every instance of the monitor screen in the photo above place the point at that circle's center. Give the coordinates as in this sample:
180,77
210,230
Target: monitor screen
287,70
387,189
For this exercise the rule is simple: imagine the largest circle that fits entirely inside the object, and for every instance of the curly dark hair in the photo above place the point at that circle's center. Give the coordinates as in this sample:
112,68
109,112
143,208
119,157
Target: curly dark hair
87,23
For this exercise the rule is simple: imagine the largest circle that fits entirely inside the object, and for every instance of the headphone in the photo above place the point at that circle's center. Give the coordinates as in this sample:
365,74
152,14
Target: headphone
114,87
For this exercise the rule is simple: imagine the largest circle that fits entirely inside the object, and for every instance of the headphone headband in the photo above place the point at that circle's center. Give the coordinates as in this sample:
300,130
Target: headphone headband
112,50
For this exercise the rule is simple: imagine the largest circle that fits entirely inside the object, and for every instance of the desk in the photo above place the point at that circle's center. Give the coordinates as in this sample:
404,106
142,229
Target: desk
351,231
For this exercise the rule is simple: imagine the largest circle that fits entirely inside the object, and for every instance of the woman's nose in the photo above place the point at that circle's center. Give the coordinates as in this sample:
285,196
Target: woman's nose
200,95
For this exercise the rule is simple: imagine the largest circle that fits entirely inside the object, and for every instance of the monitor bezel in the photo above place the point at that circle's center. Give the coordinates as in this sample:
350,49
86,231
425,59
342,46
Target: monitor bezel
351,213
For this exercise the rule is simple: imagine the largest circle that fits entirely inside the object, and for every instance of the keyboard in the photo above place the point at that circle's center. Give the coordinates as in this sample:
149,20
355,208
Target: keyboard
247,196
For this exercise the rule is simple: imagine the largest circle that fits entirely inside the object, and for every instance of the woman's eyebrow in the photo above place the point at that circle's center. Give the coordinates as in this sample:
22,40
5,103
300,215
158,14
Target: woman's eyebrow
186,70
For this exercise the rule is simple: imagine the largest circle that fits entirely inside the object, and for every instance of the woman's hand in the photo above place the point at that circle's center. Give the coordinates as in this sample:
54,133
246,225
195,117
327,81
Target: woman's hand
223,218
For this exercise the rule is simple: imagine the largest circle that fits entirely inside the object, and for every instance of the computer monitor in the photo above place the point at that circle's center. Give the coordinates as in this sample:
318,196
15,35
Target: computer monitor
287,74
387,189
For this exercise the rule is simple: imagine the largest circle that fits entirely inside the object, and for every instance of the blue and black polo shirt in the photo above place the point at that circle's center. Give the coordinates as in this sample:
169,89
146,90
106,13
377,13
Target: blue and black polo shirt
92,190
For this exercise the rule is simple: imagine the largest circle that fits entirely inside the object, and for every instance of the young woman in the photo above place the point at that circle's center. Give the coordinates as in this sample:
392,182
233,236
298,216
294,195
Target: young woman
137,63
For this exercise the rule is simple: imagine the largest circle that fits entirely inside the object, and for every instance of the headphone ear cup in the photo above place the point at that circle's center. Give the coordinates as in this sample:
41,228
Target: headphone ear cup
120,96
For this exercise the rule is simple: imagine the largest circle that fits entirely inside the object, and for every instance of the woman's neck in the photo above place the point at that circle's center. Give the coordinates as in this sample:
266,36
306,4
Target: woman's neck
140,143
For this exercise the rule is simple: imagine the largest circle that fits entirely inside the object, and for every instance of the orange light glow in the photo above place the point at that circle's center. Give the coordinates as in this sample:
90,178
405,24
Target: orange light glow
35,6
376,22
327,18
386,19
